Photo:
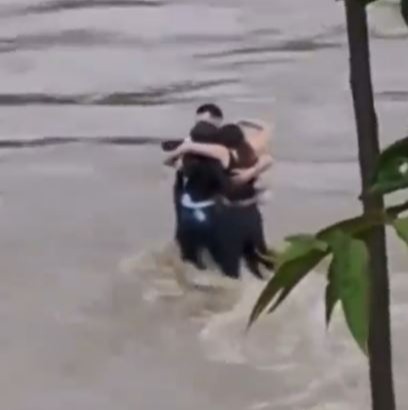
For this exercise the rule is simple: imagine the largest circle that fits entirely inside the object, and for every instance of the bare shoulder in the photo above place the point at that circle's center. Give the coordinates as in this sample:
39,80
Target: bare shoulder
249,131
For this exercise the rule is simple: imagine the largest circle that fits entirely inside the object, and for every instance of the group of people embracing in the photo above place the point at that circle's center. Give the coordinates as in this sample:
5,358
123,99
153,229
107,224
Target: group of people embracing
216,195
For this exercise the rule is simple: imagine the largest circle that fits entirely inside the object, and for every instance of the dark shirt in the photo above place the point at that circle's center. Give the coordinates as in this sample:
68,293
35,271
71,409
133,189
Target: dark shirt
242,192
203,178
239,192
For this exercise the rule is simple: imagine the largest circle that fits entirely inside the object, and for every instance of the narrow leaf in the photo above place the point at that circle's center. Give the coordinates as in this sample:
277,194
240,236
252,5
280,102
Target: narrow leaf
401,227
305,265
300,237
308,241
332,293
391,172
350,263
354,226
300,245
285,279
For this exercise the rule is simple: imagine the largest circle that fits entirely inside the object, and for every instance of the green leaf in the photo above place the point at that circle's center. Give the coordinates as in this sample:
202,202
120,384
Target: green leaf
303,237
304,241
391,172
300,245
349,225
287,276
401,227
296,270
354,226
349,270
332,293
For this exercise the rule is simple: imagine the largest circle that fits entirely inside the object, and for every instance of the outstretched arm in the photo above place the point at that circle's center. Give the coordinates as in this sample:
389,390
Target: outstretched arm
242,176
214,151
257,133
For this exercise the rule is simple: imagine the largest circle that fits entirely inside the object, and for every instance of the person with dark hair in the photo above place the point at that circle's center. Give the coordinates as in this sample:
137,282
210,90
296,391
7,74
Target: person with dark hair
210,113
234,229
200,180
208,118
241,226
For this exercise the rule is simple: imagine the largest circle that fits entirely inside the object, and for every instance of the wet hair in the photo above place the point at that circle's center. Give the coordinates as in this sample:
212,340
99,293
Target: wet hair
209,118
233,138
213,109
230,136
204,132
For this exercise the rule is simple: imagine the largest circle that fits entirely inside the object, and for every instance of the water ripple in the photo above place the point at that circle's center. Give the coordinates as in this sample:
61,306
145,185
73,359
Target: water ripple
152,96
41,141
300,45
396,96
60,5
102,38
80,38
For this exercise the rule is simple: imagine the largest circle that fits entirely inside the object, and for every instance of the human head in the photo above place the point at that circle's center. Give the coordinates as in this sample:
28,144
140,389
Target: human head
211,113
204,132
233,138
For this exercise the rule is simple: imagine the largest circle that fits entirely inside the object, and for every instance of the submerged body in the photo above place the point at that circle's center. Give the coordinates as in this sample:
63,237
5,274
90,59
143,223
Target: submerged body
216,215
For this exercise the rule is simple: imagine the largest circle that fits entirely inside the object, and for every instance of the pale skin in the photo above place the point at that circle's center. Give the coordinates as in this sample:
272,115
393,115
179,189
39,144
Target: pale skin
242,176
257,135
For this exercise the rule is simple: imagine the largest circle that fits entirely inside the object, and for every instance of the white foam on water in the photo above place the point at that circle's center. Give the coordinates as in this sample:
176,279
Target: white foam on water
227,303
163,275
291,345
223,335
260,405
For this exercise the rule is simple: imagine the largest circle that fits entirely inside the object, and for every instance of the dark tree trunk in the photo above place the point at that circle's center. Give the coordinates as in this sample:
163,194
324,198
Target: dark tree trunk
381,379
404,10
